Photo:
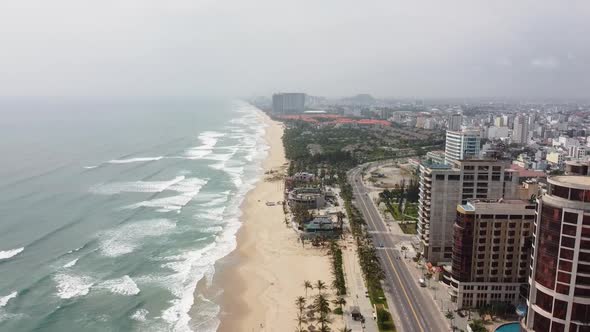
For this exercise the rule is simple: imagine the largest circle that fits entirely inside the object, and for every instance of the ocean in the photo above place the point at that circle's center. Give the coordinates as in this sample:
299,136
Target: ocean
112,211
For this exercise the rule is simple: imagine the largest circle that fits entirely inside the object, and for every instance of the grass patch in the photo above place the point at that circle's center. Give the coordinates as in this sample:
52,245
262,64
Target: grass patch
384,320
409,228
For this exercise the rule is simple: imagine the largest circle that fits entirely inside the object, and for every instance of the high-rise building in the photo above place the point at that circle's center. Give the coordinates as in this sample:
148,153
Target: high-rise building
288,103
461,145
520,133
559,298
455,121
442,187
499,122
491,251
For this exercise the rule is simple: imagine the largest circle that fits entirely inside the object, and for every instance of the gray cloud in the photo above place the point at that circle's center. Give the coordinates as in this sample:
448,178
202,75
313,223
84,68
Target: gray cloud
329,47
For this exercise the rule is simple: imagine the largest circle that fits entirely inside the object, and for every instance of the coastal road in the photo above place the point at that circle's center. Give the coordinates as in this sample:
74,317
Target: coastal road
415,311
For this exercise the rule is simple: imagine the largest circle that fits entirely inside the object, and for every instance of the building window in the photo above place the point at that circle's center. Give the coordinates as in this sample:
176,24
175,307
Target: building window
544,301
569,229
440,176
570,218
580,312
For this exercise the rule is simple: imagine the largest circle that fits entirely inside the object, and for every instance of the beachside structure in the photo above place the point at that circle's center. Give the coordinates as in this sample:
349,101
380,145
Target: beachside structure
310,198
288,103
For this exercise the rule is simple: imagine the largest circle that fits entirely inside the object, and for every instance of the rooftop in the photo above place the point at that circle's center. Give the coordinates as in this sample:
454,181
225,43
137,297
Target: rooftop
512,206
577,162
574,181
527,173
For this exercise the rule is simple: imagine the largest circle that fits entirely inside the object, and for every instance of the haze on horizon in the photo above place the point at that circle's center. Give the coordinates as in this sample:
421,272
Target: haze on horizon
330,48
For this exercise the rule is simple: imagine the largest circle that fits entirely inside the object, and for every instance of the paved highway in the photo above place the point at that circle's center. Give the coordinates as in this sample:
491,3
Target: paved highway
416,312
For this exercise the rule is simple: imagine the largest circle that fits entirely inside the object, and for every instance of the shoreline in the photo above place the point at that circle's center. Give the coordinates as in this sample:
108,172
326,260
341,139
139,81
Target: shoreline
256,284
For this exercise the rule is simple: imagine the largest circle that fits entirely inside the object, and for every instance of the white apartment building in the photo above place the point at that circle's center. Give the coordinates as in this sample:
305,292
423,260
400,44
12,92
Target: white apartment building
461,145
442,187
520,133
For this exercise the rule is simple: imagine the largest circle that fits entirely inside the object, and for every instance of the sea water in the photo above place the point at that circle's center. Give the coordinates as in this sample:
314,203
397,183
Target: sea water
112,211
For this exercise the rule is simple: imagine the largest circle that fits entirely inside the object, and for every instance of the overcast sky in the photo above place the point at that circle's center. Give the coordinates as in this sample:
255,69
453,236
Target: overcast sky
322,47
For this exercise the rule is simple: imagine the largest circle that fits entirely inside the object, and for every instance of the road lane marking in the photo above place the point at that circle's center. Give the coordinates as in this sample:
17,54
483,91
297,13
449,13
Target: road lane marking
395,271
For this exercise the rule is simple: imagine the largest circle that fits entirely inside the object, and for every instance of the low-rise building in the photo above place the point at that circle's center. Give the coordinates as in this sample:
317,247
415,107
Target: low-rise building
310,198
491,251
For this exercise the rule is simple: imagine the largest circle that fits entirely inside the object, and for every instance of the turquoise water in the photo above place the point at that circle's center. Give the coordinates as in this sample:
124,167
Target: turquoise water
510,327
111,212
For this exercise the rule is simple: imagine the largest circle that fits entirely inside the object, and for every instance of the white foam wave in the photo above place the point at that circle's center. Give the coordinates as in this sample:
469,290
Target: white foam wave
6,254
134,186
71,263
188,188
212,229
208,141
75,250
134,160
122,286
90,167
140,315
70,286
125,239
215,214
190,267
4,300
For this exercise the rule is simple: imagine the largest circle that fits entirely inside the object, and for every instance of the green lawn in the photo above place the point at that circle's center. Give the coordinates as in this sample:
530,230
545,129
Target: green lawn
409,228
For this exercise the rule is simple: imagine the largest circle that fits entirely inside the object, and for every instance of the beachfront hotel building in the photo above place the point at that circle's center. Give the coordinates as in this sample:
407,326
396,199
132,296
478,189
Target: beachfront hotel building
559,298
288,103
462,144
444,186
491,252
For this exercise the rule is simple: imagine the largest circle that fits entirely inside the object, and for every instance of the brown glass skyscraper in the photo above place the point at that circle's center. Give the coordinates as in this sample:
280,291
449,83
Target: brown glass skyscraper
559,297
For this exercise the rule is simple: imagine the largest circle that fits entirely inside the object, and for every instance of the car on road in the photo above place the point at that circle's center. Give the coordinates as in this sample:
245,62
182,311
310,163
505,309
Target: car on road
381,245
422,282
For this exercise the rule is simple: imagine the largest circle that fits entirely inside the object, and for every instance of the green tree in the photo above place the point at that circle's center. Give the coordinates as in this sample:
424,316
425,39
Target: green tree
340,302
450,316
478,326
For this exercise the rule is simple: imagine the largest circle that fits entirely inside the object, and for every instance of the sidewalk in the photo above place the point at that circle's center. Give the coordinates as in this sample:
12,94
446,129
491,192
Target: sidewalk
438,292
355,288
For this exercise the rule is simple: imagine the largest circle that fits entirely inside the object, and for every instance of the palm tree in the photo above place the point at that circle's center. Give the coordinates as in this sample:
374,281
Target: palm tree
340,302
300,321
345,329
300,302
307,284
322,305
324,322
320,286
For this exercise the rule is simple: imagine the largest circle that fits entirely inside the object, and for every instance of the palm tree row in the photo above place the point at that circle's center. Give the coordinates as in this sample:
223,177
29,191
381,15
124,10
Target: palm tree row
367,253
339,282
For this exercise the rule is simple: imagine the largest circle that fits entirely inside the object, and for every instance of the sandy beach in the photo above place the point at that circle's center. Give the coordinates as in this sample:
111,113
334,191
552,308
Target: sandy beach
262,278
